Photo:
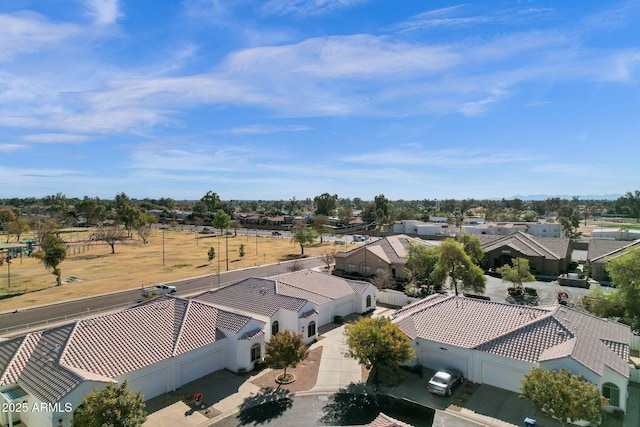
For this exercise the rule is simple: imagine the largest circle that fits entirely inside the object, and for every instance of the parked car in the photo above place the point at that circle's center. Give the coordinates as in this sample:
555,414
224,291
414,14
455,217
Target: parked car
158,290
276,233
206,231
443,382
493,273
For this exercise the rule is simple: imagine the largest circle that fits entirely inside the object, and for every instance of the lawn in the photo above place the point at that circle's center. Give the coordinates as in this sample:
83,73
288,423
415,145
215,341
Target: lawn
91,269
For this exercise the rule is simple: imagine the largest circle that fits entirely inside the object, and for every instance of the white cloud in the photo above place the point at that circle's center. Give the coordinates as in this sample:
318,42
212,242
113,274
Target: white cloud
55,138
265,129
8,148
28,32
104,12
308,7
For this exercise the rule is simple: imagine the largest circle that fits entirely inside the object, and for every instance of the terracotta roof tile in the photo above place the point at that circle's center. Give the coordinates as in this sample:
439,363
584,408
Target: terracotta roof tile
314,286
252,295
383,420
467,322
14,355
51,363
523,333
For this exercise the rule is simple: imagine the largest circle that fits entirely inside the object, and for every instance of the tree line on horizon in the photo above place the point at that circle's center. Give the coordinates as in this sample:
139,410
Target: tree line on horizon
92,211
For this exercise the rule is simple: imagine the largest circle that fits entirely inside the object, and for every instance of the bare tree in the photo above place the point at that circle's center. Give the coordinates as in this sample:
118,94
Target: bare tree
328,258
383,280
295,266
111,235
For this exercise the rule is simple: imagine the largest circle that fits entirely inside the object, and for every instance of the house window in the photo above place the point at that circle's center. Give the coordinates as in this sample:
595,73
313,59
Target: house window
275,327
311,329
611,392
255,352
368,301
351,268
366,269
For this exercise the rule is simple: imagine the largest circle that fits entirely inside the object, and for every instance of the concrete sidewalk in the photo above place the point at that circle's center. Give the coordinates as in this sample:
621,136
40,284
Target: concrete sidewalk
336,371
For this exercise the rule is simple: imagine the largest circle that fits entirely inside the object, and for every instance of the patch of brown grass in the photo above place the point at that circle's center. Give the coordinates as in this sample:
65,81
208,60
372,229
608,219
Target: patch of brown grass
169,256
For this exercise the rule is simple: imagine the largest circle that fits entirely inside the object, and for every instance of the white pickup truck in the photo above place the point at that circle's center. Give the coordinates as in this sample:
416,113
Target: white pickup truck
158,290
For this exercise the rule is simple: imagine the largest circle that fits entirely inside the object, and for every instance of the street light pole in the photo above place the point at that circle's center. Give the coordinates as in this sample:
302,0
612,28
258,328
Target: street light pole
9,269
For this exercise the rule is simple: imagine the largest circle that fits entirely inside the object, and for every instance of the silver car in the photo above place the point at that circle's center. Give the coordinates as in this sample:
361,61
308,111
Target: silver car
443,382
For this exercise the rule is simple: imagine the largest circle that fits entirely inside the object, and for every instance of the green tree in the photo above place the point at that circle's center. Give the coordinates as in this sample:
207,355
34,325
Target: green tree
632,201
567,397
345,214
142,223
92,210
569,218
304,236
125,211
377,342
472,247
53,250
623,302
241,250
455,264
222,220
6,216
421,261
320,223
18,226
285,350
113,406
516,273
211,253
326,204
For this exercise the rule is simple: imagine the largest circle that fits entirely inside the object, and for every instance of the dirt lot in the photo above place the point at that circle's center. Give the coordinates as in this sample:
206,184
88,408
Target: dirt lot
169,255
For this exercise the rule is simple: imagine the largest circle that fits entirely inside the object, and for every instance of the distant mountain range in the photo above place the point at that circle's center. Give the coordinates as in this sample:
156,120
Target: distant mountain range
567,197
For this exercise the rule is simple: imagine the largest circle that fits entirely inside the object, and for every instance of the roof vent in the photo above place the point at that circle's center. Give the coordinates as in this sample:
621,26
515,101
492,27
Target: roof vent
263,291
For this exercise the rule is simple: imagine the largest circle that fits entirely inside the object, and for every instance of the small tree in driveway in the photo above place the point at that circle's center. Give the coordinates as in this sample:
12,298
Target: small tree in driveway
378,342
114,405
563,395
284,350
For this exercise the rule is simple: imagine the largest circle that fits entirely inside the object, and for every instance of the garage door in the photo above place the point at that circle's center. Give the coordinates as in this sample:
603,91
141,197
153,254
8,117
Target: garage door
435,359
151,385
324,314
203,365
501,376
344,309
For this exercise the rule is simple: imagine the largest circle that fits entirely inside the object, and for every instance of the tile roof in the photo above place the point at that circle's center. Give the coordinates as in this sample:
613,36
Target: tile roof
603,250
555,248
529,334
383,420
14,355
392,249
43,376
51,363
314,286
252,295
466,322
359,286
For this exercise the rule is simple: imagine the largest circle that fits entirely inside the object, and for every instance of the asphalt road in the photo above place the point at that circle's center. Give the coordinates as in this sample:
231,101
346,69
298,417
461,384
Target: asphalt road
39,317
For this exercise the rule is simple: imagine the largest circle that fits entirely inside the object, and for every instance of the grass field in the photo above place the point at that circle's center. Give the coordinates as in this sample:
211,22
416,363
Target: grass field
169,255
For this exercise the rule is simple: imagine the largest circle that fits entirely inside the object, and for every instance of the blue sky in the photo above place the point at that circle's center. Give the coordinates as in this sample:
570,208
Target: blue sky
275,99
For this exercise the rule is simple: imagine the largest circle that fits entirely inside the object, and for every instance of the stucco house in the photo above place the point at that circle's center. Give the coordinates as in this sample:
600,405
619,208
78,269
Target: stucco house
497,344
600,252
386,255
547,256
300,301
156,347
536,229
